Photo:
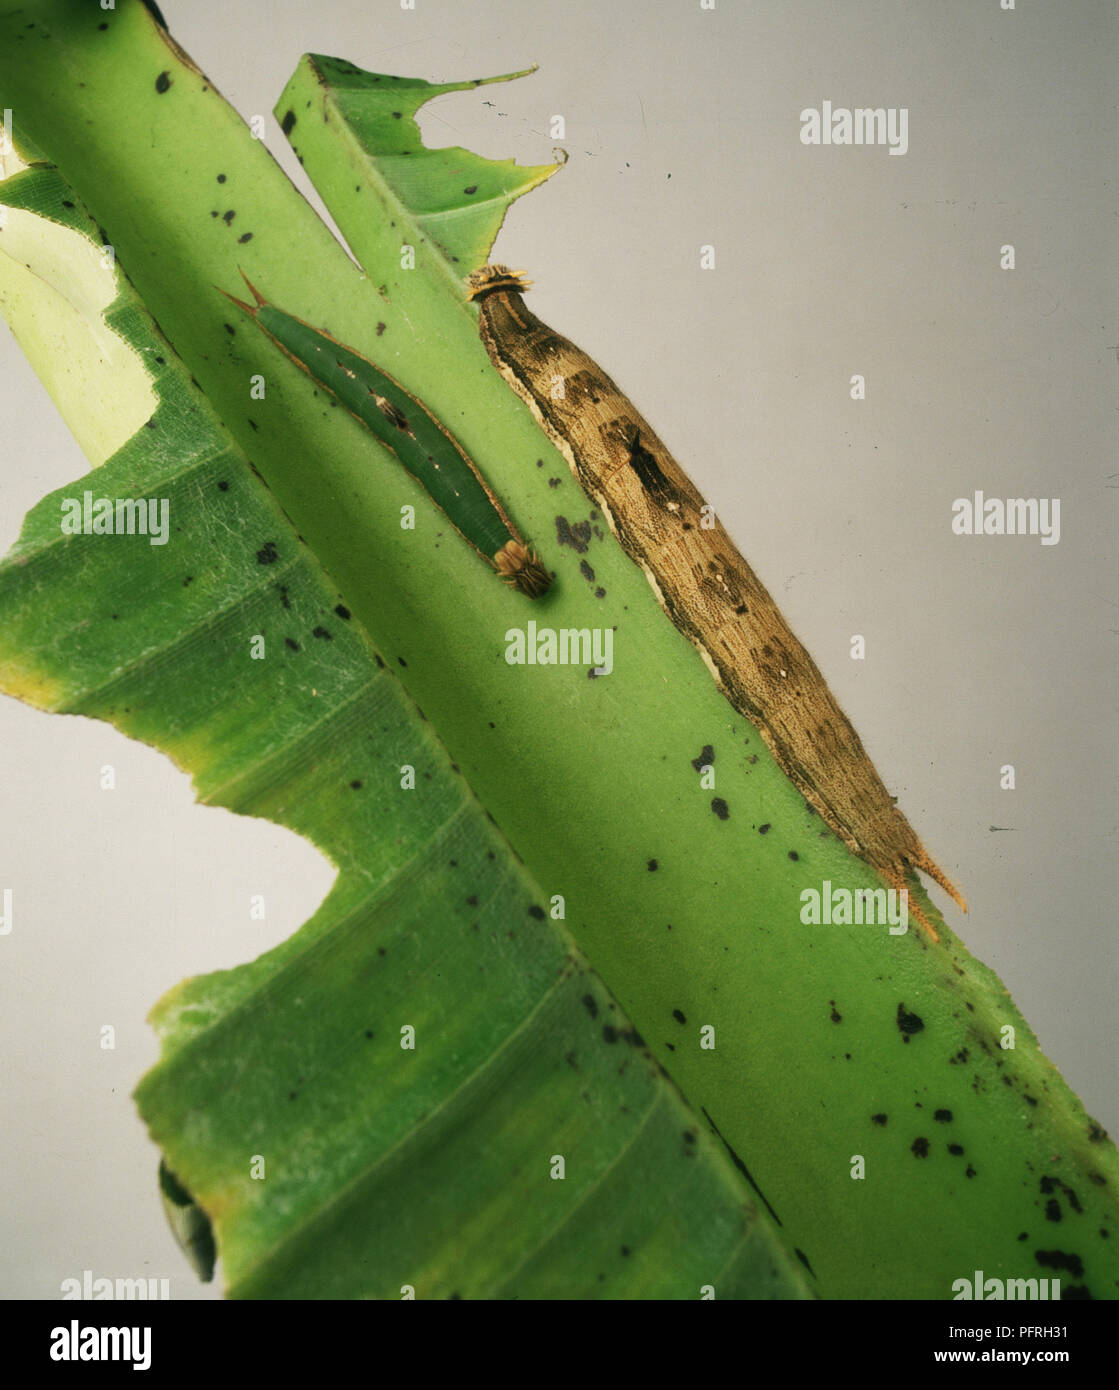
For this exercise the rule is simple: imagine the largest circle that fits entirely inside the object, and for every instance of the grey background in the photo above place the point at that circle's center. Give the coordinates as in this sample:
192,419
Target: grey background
683,130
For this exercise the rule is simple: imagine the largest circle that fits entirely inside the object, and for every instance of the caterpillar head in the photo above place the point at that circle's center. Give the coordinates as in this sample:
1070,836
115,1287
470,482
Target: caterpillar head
519,566
488,279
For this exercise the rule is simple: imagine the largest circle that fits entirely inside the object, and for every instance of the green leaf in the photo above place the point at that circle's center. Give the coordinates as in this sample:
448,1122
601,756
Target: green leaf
457,199
524,1144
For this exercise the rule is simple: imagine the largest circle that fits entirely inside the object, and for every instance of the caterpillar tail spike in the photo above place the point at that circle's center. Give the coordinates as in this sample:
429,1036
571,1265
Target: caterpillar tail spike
700,579
246,308
410,431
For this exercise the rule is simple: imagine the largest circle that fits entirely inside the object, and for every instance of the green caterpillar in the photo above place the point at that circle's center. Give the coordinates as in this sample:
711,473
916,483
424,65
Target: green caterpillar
428,450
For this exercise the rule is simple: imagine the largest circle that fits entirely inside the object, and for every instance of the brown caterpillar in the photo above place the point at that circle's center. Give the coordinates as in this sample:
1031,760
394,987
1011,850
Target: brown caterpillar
701,581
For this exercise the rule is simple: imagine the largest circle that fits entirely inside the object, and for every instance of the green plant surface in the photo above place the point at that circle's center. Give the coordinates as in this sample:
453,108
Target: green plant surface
328,1158
828,1043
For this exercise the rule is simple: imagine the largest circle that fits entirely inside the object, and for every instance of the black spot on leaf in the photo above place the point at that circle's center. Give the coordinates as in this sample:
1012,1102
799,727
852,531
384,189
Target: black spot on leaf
578,537
1057,1259
908,1023
705,759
